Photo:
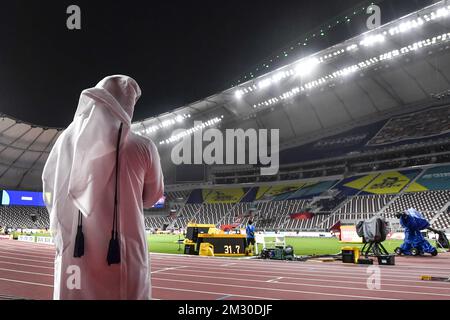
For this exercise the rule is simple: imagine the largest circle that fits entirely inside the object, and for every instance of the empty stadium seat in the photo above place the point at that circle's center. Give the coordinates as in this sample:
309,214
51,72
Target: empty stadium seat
366,203
20,217
429,203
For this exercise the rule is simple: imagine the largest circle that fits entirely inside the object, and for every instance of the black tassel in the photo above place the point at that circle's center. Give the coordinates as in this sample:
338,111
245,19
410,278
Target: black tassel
79,239
113,256
114,249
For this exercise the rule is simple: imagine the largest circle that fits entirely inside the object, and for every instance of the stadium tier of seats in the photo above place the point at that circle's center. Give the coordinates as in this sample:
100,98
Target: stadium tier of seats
429,203
275,215
306,224
442,221
177,195
157,222
186,214
366,203
296,206
371,147
266,214
24,217
213,213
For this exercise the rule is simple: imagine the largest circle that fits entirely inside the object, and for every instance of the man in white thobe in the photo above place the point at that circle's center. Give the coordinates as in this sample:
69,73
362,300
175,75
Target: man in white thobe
79,182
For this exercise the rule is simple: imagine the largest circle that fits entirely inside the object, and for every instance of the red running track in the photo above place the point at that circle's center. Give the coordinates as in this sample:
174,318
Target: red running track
26,271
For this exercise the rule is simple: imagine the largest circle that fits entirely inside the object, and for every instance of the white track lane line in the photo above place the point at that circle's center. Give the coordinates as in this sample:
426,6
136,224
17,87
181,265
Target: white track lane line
17,245
277,280
23,259
312,277
177,257
271,280
323,266
34,246
314,270
339,275
276,272
301,265
27,282
233,286
11,252
33,266
50,249
273,289
214,293
168,269
355,272
246,261
27,272
153,287
228,264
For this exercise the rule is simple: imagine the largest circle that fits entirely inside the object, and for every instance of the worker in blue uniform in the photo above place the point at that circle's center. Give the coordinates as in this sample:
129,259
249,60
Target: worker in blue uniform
250,232
415,243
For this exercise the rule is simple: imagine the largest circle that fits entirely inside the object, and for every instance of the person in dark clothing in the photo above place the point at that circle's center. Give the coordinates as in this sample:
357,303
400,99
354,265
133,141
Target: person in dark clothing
250,231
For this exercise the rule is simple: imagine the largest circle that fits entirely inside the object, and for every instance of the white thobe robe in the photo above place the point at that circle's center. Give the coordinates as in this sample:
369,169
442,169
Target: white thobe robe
80,176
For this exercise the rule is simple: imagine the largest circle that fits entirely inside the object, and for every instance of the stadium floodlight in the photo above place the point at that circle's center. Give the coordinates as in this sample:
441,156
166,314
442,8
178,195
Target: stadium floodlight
390,55
306,65
264,83
305,68
408,25
167,123
344,72
164,124
278,76
330,55
372,40
442,12
290,93
209,123
151,129
352,47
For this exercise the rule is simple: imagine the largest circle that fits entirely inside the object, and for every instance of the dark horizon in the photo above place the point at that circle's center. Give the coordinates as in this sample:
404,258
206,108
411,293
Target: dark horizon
178,52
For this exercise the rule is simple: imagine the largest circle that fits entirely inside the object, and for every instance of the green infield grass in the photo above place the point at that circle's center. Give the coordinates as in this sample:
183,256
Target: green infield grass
167,243
302,246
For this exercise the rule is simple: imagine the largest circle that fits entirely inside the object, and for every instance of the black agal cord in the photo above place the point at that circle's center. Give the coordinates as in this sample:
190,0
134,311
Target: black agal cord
114,245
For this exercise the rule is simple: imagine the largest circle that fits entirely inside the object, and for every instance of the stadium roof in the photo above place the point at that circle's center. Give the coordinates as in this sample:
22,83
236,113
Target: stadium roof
398,66
24,149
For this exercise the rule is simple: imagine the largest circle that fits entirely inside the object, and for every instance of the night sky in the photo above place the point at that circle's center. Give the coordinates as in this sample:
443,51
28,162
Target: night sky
178,51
